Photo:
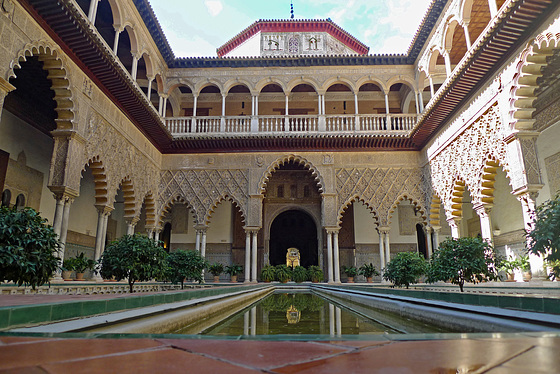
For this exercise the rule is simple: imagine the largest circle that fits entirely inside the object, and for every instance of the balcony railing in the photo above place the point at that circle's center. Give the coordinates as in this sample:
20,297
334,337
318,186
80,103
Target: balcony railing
381,124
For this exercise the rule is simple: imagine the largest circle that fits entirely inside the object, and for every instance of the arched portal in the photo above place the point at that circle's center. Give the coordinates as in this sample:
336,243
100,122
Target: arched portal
293,228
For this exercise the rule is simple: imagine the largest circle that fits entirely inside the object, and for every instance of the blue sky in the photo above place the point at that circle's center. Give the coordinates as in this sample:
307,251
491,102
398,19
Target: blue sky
197,27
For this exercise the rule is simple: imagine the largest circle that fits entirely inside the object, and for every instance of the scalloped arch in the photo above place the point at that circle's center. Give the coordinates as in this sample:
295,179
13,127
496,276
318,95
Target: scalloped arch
55,65
167,207
351,201
296,159
221,199
525,81
99,179
417,207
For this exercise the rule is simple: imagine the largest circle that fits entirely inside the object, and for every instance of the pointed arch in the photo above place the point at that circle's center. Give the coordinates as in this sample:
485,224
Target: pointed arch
221,199
352,200
297,160
55,65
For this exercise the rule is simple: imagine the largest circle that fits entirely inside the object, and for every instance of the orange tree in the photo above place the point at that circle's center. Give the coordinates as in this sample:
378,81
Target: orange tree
463,260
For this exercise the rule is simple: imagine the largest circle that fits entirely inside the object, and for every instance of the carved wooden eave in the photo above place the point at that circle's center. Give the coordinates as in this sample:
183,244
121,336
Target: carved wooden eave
499,41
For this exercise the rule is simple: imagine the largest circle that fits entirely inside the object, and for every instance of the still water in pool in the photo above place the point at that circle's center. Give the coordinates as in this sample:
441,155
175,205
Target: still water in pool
305,313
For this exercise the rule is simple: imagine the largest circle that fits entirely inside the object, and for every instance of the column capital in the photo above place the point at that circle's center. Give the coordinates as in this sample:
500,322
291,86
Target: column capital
332,229
6,86
134,220
454,221
483,210
252,229
528,192
383,230
63,192
436,228
163,95
104,209
428,229
201,228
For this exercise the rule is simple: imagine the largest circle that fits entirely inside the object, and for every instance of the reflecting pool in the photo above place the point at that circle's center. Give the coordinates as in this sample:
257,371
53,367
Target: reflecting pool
306,313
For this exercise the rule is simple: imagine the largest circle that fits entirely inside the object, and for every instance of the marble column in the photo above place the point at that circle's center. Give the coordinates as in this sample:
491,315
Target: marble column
93,4
381,250
429,241
454,224
336,255
254,257
330,273
247,269
116,41
436,229
447,63
483,211
528,200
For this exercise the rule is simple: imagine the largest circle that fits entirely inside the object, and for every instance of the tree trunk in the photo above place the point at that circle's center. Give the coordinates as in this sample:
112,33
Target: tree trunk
461,286
130,285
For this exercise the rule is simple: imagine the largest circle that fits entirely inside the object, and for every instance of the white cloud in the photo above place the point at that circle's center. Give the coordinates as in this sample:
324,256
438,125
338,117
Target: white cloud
214,7
393,45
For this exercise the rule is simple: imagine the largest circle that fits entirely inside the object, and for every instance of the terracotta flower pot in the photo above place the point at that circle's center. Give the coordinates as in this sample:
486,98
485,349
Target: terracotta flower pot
79,276
370,279
527,276
234,279
67,275
216,279
350,280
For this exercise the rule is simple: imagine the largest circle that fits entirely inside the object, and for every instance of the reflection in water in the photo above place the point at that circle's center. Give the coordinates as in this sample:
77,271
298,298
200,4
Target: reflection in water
296,313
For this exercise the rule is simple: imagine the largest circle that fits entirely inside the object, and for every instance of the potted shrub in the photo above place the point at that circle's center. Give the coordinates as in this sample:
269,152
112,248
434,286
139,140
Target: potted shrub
368,271
81,264
315,273
283,273
299,274
216,269
67,269
350,272
268,273
508,267
525,266
233,270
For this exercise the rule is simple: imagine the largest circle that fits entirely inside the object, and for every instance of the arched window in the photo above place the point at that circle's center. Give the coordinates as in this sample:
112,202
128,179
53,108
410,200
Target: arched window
20,201
6,198
166,236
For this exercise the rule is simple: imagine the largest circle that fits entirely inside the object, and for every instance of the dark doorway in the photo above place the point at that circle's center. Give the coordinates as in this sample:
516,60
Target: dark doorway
421,240
293,228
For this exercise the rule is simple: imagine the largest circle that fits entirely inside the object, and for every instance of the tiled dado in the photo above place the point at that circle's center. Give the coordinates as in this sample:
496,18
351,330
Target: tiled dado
84,288
23,315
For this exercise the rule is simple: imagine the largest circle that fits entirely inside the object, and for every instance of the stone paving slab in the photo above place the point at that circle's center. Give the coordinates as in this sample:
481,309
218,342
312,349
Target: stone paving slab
485,355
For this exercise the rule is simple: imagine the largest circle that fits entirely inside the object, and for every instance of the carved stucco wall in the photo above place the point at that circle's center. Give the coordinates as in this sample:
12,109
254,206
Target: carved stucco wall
202,190
381,189
465,157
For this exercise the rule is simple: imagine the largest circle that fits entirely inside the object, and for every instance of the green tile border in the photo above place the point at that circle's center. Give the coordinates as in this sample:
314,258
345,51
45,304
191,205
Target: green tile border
24,315
541,303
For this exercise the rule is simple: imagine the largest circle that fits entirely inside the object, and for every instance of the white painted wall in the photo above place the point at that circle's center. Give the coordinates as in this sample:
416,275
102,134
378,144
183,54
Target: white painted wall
83,214
220,229
365,228
16,136
507,214
547,145
251,47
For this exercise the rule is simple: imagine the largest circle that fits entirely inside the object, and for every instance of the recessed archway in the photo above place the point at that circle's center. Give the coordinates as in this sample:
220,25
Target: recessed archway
293,229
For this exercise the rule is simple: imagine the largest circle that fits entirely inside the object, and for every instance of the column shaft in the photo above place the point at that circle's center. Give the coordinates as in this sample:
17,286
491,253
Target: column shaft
247,269
197,241
336,254
330,257
59,211
387,248
254,258
381,251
